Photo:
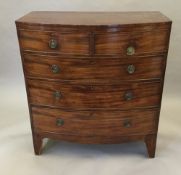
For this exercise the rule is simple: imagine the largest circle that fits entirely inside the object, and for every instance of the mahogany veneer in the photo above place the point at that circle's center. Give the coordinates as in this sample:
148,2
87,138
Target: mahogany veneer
94,77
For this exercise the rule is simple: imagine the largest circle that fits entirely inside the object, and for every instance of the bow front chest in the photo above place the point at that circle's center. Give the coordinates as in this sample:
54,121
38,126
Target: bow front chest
94,77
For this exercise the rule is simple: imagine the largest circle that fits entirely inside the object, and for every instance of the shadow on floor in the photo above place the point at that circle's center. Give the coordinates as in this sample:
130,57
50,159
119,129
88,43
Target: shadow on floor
86,150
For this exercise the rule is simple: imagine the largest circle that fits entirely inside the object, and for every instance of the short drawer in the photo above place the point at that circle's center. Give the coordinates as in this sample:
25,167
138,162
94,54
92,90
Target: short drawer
63,68
132,43
78,95
66,43
95,123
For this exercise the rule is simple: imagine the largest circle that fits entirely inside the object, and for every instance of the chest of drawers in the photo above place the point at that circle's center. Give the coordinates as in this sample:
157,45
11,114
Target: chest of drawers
94,77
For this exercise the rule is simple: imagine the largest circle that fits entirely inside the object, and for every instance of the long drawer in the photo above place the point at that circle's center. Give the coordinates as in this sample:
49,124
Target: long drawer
124,95
56,67
95,123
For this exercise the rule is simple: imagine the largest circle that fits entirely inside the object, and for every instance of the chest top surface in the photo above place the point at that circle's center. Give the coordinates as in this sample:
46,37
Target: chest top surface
92,18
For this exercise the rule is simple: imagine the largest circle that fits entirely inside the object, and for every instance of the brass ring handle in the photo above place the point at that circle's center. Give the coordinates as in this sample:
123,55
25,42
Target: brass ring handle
128,96
127,124
59,122
57,94
130,50
53,43
55,68
131,69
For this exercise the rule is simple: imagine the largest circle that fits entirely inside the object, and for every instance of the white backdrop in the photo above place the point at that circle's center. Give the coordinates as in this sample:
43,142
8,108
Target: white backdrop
16,152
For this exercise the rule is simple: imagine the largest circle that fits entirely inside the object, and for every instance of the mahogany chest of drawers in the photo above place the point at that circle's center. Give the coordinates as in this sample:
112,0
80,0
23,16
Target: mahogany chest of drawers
94,77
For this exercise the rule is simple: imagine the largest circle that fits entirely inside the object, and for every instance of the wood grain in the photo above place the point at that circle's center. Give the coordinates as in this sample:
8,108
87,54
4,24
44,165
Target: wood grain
92,18
95,123
145,94
40,66
91,54
143,42
105,44
150,141
73,43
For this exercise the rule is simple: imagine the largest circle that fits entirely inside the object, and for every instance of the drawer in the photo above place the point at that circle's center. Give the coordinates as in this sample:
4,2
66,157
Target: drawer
132,43
117,43
95,123
79,95
71,43
94,68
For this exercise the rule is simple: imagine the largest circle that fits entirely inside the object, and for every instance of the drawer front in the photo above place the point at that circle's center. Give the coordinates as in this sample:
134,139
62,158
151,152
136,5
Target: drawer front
73,43
124,44
94,123
67,95
94,68
132,43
